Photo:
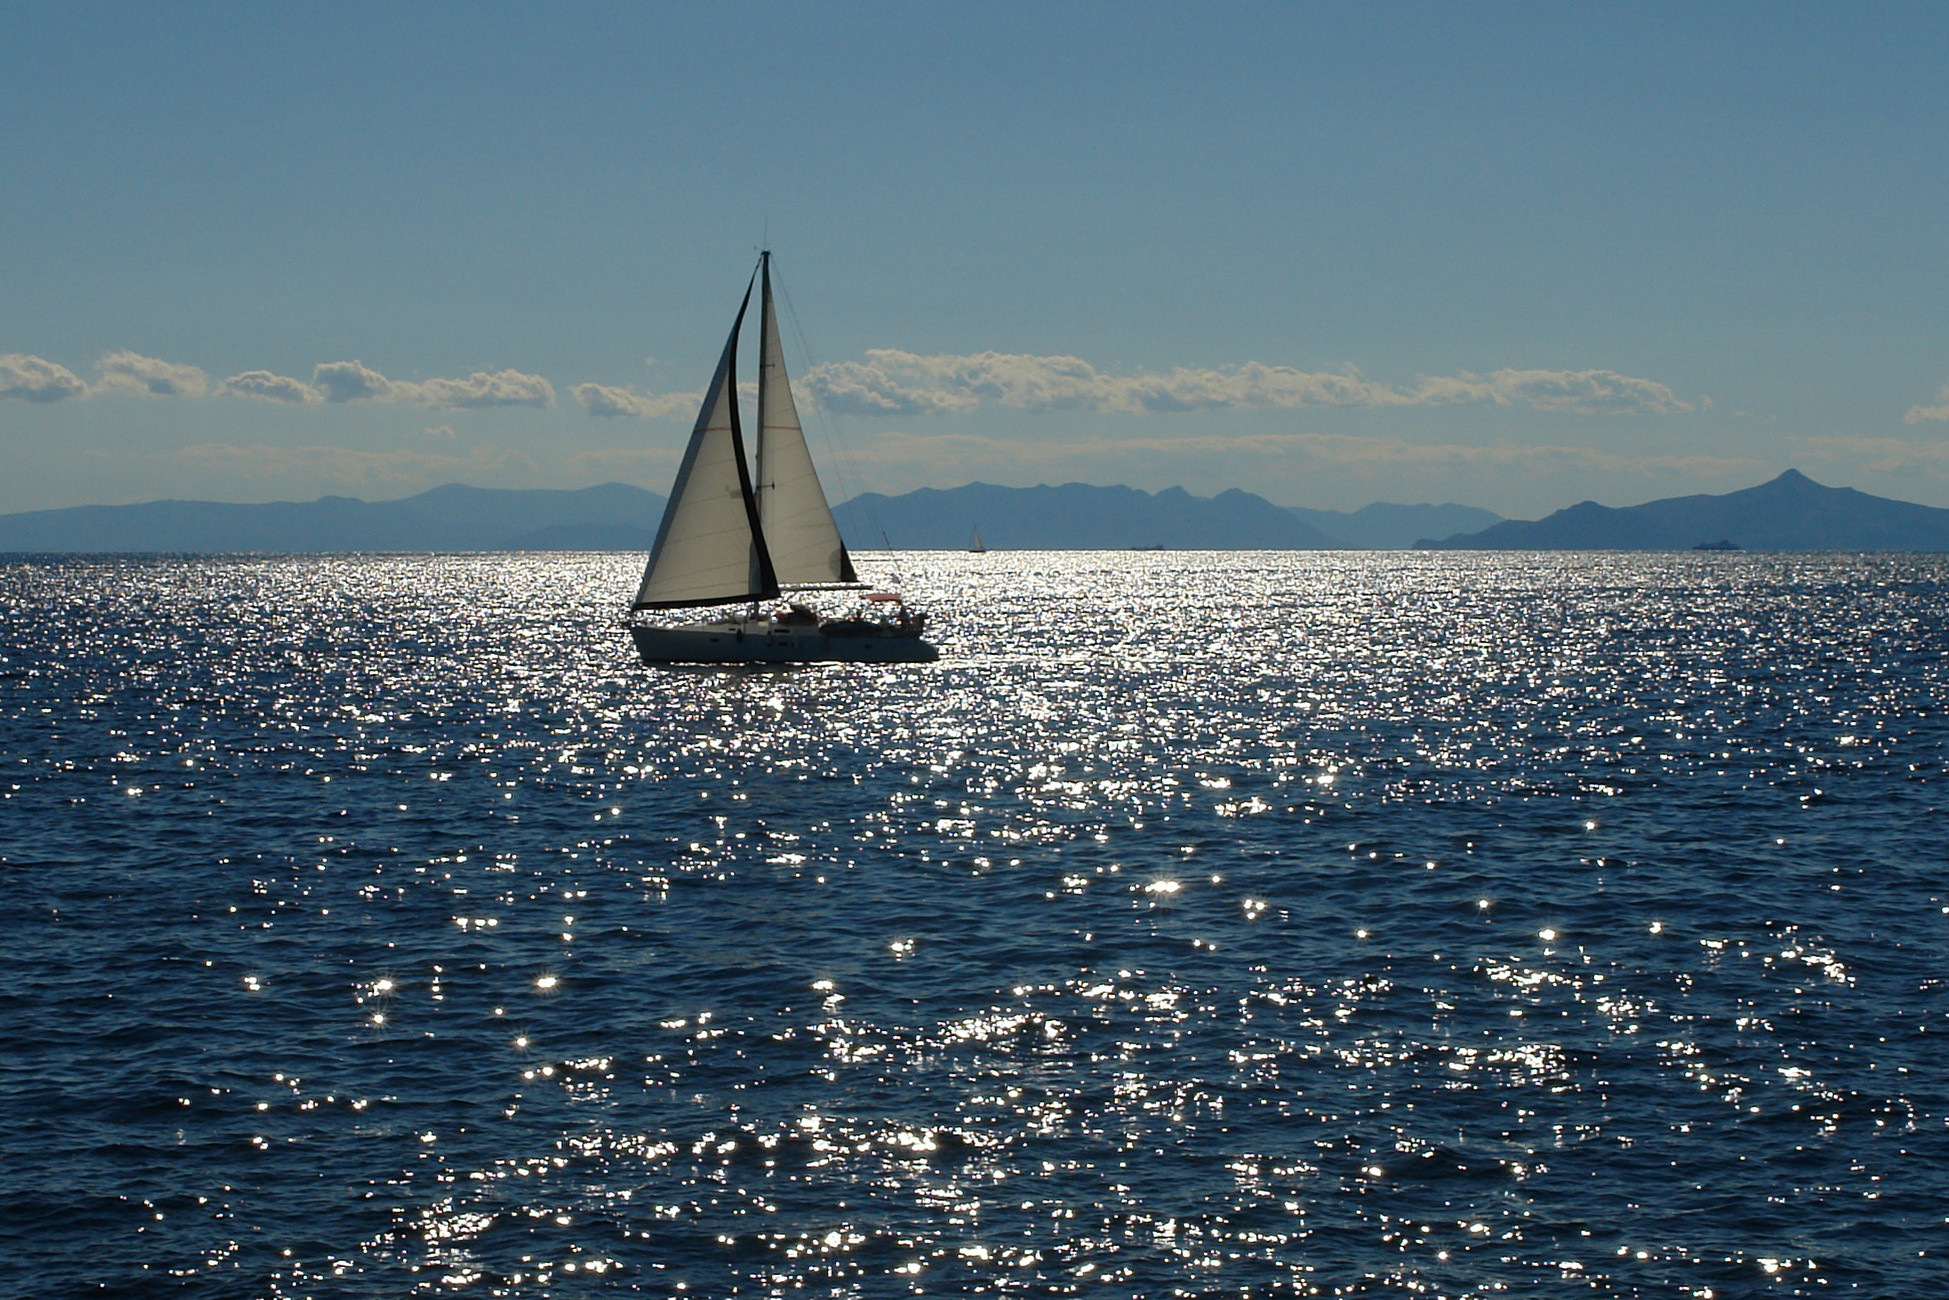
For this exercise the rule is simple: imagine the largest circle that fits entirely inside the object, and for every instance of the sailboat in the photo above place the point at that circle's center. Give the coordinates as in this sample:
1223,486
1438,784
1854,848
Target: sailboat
735,535
974,544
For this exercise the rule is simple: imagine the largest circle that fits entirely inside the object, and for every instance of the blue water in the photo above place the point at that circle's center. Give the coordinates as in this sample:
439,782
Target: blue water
1263,924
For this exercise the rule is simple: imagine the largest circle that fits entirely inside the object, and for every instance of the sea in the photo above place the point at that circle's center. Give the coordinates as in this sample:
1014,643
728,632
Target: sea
1201,924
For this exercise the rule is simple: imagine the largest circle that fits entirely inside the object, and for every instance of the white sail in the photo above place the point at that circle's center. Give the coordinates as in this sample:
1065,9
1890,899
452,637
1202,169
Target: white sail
710,549
800,535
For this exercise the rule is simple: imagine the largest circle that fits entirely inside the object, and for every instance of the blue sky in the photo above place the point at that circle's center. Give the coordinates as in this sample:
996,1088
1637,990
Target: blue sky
1512,256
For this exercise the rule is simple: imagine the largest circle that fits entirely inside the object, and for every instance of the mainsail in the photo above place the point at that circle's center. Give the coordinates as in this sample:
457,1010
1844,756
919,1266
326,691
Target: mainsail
710,549
799,533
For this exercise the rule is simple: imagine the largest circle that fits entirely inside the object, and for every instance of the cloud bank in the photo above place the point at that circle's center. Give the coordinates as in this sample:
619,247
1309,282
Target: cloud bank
35,379
891,382
354,381
350,381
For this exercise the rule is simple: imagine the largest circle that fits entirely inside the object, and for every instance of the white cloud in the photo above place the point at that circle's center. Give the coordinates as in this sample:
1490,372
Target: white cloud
601,399
1916,414
1590,392
502,388
438,431
131,372
33,380
891,382
269,386
349,381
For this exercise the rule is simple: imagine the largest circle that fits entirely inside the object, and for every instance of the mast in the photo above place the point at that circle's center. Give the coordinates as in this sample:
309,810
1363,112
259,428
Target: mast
767,357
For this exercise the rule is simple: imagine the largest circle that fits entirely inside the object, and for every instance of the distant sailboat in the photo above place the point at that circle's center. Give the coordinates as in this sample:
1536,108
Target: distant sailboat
974,544
730,535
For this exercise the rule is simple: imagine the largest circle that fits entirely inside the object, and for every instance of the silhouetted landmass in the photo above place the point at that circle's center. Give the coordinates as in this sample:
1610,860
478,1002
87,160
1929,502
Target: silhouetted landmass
613,516
1384,526
1075,516
1790,513
618,517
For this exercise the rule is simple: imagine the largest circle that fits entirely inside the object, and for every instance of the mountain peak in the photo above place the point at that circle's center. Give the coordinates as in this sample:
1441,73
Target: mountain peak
1788,513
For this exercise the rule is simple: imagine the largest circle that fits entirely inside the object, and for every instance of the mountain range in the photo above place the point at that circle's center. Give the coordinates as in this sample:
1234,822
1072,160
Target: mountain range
1792,512
615,516
1789,513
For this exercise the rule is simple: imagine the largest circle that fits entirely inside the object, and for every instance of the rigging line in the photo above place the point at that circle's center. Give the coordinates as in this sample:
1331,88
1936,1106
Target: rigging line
838,449
892,561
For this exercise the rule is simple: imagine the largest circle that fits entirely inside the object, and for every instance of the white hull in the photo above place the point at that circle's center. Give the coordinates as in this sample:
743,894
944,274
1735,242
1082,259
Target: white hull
760,641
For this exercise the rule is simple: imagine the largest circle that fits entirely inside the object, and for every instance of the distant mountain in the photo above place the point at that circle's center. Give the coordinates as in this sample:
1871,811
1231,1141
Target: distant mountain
1075,516
1790,513
613,516
1384,526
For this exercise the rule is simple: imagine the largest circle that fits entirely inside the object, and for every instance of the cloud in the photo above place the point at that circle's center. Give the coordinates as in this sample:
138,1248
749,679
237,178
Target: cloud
1916,414
349,381
603,400
271,387
502,388
891,382
131,372
438,431
1590,392
33,380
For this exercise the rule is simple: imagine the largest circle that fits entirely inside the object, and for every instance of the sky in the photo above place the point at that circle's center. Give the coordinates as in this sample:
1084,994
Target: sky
1512,256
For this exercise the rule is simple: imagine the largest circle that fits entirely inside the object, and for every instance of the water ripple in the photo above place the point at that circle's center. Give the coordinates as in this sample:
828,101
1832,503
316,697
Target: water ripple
1201,924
